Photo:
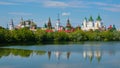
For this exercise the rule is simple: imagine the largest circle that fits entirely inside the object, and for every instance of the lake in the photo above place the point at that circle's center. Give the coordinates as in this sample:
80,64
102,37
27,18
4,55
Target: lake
72,55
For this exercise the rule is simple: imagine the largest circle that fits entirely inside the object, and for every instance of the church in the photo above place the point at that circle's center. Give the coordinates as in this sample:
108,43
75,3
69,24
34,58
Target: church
90,24
27,24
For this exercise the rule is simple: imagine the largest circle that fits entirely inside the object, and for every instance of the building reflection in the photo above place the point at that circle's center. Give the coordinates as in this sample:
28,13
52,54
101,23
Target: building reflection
98,55
58,54
90,55
49,55
68,55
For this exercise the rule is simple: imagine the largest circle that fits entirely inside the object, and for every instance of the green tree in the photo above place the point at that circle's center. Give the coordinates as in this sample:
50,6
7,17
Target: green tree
60,36
24,35
78,35
40,35
106,35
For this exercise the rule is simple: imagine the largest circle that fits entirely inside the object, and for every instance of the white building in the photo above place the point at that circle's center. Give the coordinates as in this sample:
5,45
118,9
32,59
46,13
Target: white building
91,24
58,27
11,25
28,23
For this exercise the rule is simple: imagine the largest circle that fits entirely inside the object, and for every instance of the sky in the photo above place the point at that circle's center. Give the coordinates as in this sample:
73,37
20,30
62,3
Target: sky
75,10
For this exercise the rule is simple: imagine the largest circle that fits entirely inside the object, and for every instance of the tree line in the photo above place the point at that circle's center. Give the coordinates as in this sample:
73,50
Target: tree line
25,35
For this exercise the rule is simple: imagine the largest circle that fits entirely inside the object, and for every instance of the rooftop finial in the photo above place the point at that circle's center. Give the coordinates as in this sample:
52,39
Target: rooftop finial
58,16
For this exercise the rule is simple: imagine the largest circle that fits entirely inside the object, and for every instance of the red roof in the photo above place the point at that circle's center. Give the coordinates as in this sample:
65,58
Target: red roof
49,30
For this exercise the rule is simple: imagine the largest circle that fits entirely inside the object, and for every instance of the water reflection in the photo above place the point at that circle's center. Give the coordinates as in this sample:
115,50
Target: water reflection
90,55
59,54
4,52
104,55
86,55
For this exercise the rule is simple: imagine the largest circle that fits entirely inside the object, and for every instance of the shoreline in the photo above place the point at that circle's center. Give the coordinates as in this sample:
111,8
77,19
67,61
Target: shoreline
50,43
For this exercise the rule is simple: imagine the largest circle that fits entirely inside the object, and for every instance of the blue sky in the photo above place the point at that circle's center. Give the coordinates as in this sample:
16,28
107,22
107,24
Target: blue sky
76,10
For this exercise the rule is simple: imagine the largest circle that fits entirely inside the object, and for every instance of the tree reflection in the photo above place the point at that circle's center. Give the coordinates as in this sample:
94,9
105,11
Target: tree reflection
18,52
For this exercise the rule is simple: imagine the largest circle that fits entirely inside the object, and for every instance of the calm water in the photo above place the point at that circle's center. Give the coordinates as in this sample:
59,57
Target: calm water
85,55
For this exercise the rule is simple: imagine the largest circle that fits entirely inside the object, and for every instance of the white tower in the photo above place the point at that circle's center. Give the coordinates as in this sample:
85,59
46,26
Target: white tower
57,26
11,25
22,24
90,24
84,24
98,23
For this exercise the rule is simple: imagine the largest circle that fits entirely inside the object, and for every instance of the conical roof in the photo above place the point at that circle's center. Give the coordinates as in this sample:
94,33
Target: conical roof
91,19
85,18
68,23
98,18
49,23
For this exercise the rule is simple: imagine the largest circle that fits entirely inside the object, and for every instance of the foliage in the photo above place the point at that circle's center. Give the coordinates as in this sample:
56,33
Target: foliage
78,36
93,36
60,36
25,35
40,35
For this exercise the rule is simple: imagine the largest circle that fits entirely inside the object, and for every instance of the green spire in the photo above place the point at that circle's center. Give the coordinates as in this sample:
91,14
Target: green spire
98,18
90,19
114,28
45,25
85,18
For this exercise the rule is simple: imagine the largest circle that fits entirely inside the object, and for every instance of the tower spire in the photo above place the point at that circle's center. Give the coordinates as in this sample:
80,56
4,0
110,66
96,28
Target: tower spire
21,19
58,16
7,27
57,26
98,18
90,19
49,24
11,25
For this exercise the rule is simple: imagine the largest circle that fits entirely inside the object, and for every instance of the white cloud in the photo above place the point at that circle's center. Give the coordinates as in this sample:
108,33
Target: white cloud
105,6
65,14
98,3
7,3
112,9
20,13
50,3
70,4
55,4
61,4
26,1
78,4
